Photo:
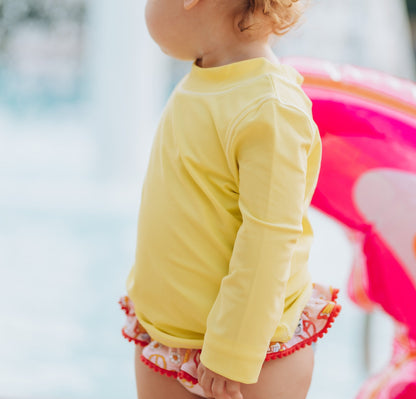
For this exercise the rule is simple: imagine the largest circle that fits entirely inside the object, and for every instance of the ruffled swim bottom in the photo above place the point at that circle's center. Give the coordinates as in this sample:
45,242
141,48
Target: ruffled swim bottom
182,363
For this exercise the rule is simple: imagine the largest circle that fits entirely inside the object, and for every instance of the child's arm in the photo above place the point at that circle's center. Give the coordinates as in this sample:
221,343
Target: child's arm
269,147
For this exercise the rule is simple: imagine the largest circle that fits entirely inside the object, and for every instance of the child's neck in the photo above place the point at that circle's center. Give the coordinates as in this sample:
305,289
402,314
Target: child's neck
227,55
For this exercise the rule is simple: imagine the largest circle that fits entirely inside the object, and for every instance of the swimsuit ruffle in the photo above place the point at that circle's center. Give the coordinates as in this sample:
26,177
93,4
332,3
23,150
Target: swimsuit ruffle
182,364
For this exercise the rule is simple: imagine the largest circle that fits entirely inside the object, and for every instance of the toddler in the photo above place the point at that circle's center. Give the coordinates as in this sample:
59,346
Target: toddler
220,301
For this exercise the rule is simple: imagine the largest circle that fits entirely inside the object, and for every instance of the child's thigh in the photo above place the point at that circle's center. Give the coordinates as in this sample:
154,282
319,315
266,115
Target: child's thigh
286,378
152,385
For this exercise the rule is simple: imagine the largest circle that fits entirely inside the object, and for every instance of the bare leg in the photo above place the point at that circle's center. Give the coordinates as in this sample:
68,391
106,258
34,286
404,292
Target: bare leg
286,378
152,385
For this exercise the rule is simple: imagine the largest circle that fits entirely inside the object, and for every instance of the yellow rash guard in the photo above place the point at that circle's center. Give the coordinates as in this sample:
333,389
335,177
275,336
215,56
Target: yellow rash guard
223,234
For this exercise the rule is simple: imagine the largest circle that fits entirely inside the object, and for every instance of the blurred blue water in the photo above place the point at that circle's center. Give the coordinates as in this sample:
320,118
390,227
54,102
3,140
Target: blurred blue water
66,243
22,94
60,329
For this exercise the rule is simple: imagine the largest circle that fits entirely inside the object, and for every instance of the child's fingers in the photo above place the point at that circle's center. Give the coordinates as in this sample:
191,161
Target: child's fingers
218,389
216,386
233,389
223,388
200,370
205,382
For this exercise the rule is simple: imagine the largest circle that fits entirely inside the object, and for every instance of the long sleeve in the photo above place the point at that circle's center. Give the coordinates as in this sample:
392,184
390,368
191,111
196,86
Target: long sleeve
268,149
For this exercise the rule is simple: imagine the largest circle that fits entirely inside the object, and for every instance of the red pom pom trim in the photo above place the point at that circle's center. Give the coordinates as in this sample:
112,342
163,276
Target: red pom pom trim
169,373
132,339
313,338
124,306
185,376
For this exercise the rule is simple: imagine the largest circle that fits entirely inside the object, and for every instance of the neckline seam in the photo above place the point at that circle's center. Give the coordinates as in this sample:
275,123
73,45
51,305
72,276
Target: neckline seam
234,64
269,75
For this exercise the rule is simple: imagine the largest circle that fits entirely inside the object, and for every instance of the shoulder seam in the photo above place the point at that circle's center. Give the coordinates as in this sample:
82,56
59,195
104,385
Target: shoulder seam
229,136
257,103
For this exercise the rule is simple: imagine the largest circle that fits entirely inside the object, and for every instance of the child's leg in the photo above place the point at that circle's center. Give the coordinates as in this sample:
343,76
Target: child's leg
285,378
152,385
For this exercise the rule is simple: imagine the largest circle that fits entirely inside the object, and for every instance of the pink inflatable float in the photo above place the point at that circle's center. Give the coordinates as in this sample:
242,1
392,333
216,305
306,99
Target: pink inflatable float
367,121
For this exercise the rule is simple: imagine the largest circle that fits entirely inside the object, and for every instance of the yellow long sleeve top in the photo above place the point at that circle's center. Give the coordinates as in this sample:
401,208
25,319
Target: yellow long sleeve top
223,235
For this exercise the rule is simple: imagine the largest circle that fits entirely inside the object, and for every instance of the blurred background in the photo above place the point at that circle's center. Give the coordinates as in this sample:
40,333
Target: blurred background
81,89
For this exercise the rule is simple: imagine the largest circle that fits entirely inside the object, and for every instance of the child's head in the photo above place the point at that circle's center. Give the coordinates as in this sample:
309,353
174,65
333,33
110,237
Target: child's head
188,29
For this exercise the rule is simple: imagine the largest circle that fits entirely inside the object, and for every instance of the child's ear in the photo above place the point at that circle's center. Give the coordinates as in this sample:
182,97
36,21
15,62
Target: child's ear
188,4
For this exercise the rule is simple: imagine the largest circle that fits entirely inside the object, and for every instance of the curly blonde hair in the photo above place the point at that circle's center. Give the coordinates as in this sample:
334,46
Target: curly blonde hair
284,14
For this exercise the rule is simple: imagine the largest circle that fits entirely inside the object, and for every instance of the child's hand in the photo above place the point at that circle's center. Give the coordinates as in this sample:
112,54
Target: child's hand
216,386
